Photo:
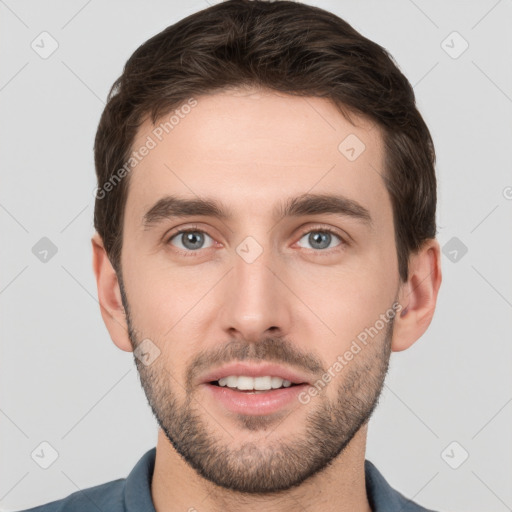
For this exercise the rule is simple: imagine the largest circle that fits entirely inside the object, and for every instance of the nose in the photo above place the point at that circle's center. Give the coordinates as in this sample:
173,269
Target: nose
256,301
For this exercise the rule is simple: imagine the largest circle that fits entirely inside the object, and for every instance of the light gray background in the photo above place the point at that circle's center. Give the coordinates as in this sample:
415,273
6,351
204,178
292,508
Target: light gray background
63,380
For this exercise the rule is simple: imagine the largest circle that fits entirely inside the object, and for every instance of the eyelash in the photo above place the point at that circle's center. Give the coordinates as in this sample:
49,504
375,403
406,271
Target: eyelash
317,230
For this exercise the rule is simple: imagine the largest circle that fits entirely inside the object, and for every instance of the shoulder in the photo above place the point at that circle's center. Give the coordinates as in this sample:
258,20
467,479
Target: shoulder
107,496
130,493
382,497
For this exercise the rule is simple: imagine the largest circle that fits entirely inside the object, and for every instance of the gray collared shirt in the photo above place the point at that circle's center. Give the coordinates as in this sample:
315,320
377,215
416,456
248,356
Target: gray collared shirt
133,494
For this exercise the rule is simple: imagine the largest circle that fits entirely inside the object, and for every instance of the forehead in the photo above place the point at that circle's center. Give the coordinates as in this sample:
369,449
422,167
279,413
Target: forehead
251,149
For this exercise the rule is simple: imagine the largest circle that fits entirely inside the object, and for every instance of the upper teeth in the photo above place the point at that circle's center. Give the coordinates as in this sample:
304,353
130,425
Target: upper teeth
258,383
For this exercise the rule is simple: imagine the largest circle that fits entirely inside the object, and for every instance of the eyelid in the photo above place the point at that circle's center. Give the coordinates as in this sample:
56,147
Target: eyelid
326,228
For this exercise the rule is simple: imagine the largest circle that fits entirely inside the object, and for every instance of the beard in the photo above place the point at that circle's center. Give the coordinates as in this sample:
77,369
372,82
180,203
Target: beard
252,468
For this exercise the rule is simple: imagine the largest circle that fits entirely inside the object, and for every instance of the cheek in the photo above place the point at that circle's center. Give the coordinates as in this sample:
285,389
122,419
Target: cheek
172,306
342,304
164,308
158,297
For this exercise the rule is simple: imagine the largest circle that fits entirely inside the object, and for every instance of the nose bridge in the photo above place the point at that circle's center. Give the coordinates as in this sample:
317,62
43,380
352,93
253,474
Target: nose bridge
255,295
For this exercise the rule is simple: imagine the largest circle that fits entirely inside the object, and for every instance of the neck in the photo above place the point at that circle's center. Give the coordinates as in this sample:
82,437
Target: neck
341,487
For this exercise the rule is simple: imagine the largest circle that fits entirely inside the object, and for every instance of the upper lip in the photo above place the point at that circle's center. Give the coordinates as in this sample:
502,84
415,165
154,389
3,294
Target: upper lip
255,370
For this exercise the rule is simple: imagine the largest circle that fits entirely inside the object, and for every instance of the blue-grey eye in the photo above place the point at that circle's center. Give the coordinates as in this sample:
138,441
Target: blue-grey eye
320,239
190,240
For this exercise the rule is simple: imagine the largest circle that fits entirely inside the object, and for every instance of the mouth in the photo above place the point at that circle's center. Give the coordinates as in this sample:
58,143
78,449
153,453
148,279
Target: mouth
250,389
255,385
246,376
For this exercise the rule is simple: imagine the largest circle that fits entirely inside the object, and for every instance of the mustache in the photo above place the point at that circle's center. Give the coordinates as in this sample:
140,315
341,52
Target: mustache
270,349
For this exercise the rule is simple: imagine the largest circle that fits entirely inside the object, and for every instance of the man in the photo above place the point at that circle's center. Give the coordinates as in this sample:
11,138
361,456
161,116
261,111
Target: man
265,220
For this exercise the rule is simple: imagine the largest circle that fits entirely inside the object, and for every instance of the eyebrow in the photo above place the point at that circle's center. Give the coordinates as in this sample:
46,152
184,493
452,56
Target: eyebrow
169,207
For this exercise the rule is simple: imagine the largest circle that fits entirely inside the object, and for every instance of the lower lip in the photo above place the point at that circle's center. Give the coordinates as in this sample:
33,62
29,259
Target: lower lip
266,402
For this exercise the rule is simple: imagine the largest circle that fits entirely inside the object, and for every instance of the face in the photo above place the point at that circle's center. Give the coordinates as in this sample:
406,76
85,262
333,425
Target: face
291,288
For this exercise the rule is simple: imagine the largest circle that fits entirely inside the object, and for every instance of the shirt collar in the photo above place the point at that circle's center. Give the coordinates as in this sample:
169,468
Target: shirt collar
137,491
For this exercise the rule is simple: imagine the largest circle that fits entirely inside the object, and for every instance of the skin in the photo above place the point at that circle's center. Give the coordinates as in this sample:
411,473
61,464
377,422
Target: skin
251,149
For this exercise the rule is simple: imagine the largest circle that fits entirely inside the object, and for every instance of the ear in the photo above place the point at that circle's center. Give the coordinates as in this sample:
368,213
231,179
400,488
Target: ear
418,296
109,295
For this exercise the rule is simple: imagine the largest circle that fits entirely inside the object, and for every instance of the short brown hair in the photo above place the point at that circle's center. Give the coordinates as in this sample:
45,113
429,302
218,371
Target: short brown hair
283,46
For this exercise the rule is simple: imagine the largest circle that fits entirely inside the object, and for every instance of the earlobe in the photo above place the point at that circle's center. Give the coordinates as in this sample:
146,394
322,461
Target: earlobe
418,296
109,296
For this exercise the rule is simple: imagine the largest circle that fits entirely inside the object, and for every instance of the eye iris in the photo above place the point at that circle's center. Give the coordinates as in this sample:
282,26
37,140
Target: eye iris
320,237
195,238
